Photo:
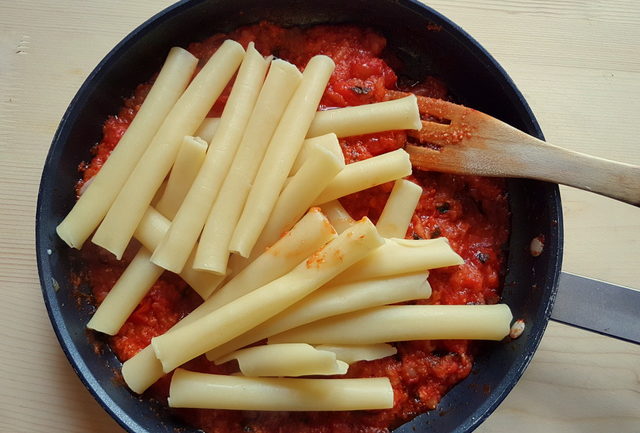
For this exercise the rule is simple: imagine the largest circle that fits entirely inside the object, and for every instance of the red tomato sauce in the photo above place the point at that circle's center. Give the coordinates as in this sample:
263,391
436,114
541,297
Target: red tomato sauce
471,212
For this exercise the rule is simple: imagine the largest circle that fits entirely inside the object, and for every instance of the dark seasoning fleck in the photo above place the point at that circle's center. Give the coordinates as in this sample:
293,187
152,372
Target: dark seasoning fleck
361,90
444,207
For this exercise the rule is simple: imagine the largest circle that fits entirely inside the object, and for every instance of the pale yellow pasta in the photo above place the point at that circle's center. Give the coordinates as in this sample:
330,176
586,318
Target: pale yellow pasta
332,301
95,201
309,234
206,282
396,215
159,194
210,391
282,80
296,197
187,114
401,256
207,128
180,240
281,154
369,118
337,215
364,174
184,171
308,147
142,370
406,323
216,328
152,228
126,294
286,360
150,231
353,353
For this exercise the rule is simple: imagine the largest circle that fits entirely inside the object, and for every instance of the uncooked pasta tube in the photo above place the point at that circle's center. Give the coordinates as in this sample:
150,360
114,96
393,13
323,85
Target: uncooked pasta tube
400,113
281,154
126,294
177,244
352,353
406,323
296,197
401,256
216,328
290,360
337,215
398,210
212,391
213,252
207,129
332,301
94,203
188,161
308,235
364,174
116,230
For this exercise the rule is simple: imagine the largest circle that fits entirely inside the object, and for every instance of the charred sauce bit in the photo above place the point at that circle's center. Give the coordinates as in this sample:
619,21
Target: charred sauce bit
470,211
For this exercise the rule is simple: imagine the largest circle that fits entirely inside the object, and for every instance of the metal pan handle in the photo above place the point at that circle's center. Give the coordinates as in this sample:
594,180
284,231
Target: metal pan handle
598,306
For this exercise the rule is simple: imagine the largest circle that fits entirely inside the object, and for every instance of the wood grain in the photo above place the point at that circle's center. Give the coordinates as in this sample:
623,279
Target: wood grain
475,143
578,64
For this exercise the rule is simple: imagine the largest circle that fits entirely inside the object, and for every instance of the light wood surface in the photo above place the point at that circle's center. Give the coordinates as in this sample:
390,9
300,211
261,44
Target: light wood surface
578,64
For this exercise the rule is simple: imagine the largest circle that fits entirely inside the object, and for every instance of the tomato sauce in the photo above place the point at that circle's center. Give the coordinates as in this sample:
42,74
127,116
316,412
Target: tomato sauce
472,212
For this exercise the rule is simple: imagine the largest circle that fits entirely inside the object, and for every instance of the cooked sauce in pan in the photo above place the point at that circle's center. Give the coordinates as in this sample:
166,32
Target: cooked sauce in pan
471,212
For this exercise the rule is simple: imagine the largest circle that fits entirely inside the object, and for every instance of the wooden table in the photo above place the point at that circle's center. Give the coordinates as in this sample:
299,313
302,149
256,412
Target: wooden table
578,64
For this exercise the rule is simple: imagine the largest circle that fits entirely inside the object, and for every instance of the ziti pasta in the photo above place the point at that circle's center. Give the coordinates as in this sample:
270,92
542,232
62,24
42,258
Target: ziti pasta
267,161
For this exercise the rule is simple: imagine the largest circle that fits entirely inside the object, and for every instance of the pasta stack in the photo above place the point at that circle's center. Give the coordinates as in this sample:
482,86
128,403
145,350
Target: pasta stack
244,208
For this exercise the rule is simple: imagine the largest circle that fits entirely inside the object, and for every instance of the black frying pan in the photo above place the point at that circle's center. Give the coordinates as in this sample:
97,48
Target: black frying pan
412,32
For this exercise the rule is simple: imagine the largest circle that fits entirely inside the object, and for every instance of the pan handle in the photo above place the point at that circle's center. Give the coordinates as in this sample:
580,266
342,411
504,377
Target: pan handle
598,306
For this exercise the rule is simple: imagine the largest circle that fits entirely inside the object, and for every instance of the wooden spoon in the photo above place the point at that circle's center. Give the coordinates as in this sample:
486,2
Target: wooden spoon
457,139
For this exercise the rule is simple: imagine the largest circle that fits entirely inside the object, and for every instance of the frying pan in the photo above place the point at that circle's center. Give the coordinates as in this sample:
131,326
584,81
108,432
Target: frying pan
428,43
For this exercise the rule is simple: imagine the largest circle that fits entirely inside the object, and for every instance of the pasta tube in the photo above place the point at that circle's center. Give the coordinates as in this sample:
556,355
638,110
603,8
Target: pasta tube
207,128
211,391
400,256
136,194
398,210
406,323
309,146
177,244
141,274
367,119
291,360
177,347
359,352
188,162
142,370
152,228
337,215
94,203
282,80
150,231
126,294
364,174
281,154
308,235
296,197
332,301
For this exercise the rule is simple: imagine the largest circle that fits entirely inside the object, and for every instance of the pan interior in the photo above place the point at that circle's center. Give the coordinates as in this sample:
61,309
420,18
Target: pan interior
429,44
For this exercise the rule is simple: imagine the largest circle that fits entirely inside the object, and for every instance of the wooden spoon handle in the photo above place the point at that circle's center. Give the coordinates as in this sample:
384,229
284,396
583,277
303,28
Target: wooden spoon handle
497,149
613,179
